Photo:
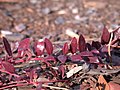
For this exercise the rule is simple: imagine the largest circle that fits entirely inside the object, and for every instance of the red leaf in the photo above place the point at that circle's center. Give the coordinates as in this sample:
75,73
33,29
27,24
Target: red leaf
96,44
23,45
104,49
89,47
7,46
86,53
48,46
76,58
28,54
105,36
39,48
65,48
62,58
73,45
8,67
50,58
93,60
62,70
82,43
95,51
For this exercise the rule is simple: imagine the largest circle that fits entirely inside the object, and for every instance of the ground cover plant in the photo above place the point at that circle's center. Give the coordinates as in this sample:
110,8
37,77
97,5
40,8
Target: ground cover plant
77,65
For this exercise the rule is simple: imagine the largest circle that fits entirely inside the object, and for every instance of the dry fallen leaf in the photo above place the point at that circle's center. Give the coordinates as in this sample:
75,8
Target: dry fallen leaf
114,86
103,85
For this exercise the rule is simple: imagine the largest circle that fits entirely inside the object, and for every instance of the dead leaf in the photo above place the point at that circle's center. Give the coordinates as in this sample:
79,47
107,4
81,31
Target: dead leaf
114,86
103,85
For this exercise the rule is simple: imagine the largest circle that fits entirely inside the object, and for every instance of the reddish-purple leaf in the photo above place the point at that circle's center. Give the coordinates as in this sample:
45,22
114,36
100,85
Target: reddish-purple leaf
75,58
39,48
23,45
28,54
96,44
73,45
19,61
95,51
62,58
86,53
7,46
82,43
104,49
50,58
8,67
42,59
65,48
93,60
89,47
105,36
48,46
62,70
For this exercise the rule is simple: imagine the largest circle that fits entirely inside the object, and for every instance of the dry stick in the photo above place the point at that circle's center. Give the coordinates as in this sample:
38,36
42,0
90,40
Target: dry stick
113,46
73,34
109,44
53,87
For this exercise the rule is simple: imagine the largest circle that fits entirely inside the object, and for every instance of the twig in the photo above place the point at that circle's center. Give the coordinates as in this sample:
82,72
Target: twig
73,34
102,72
109,45
53,87
14,85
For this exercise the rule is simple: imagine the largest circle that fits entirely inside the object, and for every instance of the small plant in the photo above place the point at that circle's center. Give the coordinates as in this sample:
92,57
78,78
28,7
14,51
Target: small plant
39,64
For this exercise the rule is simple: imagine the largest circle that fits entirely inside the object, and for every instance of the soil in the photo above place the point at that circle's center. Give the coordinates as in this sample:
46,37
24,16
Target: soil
51,18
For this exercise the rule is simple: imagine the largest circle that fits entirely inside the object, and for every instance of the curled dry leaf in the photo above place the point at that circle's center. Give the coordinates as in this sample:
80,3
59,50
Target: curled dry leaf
48,46
73,45
103,85
105,36
7,46
114,86
82,43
